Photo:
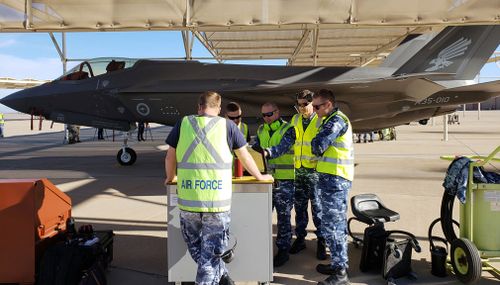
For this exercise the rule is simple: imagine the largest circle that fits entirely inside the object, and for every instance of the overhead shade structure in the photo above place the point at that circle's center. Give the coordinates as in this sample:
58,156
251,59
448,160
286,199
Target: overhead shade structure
312,32
57,15
429,12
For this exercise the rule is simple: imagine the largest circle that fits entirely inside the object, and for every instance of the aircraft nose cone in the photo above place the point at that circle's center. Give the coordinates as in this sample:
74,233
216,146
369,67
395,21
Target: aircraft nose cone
14,101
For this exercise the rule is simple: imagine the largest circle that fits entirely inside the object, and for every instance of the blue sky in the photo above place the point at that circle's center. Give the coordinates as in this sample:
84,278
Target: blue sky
33,55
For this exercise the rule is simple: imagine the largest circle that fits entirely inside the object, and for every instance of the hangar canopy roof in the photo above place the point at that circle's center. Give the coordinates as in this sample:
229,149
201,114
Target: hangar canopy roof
309,32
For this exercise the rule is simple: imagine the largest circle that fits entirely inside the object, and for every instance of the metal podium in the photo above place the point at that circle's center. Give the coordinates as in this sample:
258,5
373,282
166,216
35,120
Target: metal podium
251,223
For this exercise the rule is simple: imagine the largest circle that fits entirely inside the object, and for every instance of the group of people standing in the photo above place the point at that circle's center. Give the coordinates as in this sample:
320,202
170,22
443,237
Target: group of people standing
310,159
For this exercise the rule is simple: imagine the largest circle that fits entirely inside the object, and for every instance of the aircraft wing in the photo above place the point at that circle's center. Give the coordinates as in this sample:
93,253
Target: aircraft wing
446,101
490,89
413,87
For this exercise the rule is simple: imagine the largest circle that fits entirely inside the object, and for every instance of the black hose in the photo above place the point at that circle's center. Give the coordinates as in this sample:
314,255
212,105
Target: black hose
447,217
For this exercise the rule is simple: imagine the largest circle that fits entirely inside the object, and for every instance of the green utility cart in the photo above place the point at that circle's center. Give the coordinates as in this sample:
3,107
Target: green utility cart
478,247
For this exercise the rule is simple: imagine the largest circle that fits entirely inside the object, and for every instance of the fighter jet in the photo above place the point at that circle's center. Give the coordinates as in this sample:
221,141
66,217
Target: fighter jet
426,76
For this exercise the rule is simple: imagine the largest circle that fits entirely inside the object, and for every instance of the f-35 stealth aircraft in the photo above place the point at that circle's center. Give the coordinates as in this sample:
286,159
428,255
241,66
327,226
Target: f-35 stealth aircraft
424,77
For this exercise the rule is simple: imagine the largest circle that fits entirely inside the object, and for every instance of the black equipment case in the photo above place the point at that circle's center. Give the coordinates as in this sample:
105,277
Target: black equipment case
79,259
382,253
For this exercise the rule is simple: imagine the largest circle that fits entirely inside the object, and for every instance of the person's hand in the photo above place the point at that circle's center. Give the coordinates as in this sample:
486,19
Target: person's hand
167,181
266,177
265,153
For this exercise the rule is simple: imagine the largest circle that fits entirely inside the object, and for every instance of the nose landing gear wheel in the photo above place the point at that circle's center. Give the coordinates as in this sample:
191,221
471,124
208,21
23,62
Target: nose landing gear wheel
466,261
126,156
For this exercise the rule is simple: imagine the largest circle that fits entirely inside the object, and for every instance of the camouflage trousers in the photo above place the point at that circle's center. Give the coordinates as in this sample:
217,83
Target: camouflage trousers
206,236
283,202
334,190
306,180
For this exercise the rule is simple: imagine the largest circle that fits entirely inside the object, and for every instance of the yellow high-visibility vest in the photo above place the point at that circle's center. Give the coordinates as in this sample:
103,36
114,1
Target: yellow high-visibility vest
244,129
302,148
338,159
282,166
204,165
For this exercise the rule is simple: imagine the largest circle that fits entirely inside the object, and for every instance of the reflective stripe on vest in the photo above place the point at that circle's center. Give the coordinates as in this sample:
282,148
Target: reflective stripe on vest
204,204
338,159
204,163
282,166
244,129
302,148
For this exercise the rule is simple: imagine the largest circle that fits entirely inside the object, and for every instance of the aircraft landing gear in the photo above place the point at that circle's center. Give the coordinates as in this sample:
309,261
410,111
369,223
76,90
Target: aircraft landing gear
126,156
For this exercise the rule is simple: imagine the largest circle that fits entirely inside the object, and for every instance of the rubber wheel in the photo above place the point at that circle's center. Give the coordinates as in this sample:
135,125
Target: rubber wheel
126,156
466,261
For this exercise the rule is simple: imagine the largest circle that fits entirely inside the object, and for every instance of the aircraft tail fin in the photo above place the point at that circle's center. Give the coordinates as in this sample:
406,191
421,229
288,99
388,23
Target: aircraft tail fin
461,50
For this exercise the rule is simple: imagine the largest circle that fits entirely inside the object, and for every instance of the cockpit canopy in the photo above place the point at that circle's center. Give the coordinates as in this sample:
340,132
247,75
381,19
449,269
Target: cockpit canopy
97,66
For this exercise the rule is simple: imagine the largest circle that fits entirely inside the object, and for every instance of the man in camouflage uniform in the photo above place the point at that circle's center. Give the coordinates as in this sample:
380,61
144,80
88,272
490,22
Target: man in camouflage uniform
205,211
306,124
273,132
333,144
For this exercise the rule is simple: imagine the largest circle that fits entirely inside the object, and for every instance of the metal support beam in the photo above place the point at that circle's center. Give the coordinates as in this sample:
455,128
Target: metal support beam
56,45
186,35
478,111
374,54
28,16
25,7
368,61
188,45
204,41
65,59
314,45
445,128
188,13
305,36
478,80
495,57
60,51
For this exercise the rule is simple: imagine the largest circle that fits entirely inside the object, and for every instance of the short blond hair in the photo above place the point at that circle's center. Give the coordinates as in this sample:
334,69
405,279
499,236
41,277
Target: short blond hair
210,99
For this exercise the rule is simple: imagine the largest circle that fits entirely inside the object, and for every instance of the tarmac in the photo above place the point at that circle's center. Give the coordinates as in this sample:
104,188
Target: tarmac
406,174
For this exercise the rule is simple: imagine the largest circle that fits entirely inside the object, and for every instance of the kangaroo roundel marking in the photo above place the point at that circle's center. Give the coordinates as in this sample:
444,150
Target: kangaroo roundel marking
142,109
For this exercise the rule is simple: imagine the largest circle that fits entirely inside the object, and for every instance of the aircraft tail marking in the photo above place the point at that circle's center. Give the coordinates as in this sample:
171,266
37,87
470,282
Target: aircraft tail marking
460,50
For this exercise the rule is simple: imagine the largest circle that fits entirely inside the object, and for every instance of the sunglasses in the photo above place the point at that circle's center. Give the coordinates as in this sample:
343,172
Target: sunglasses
302,105
268,114
316,107
234,118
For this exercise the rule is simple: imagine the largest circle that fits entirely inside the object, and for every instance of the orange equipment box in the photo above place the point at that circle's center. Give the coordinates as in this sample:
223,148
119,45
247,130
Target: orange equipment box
31,212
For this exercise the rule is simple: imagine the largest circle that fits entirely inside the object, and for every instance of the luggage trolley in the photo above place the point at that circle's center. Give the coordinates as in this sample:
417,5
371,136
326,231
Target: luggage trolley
479,244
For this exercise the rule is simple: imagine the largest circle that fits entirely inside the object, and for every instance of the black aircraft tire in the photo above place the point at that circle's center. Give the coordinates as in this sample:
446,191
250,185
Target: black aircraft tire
466,261
126,157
